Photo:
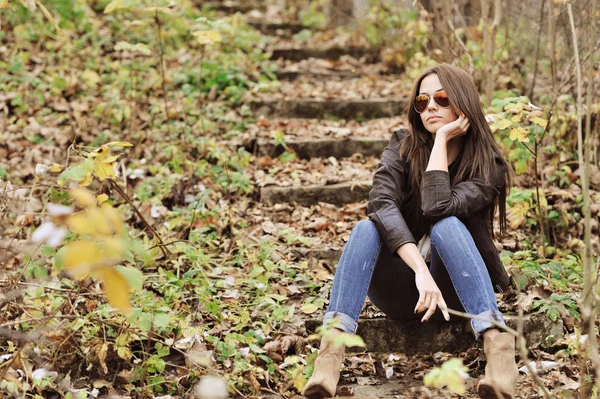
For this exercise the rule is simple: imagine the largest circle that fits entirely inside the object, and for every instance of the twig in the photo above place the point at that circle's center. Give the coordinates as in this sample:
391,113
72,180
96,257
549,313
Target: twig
586,302
541,218
537,51
588,307
462,44
147,225
162,70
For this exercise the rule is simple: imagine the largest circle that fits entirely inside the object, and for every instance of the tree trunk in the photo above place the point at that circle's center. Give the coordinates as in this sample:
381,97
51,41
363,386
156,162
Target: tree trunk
470,10
344,12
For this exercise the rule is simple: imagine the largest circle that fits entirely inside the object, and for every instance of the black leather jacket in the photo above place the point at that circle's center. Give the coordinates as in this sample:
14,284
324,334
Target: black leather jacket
469,201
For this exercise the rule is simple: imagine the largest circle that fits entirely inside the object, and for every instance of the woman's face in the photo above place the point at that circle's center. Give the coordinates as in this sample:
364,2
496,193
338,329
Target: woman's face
434,116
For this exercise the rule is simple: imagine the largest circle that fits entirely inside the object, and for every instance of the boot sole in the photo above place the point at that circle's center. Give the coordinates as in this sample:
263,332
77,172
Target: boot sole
487,392
316,392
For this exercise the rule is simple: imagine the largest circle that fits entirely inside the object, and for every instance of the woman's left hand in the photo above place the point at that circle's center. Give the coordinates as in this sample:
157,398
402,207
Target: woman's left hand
454,129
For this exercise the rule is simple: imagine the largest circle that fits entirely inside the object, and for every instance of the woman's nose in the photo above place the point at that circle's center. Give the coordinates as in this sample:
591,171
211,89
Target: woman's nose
431,104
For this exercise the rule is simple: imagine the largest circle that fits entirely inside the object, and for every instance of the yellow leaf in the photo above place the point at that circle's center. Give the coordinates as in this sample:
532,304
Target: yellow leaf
207,36
111,159
101,199
87,180
519,133
80,257
309,308
504,124
114,5
516,118
82,197
97,218
539,121
3,4
113,218
115,287
80,223
55,168
90,78
104,170
161,9
113,247
517,214
119,144
514,108
100,154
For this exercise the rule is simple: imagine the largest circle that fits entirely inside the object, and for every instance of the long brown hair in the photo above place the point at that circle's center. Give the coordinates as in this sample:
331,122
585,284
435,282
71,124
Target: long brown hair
479,149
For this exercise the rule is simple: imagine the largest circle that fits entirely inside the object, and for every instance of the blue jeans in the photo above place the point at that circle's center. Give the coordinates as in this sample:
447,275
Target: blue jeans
367,266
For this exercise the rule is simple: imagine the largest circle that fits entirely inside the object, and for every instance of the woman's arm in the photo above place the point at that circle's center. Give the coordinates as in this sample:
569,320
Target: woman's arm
430,296
439,198
438,160
385,198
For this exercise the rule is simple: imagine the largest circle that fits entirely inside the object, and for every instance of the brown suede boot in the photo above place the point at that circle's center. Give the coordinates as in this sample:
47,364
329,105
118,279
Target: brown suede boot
323,382
501,369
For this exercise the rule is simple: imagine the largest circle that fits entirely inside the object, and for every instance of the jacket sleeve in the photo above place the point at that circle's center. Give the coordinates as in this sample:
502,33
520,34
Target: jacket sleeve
439,199
385,198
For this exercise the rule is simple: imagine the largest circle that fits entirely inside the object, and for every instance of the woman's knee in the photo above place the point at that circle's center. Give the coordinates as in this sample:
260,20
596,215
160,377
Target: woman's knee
365,226
447,225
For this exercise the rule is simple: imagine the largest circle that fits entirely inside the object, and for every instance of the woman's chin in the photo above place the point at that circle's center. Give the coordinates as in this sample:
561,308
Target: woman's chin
432,129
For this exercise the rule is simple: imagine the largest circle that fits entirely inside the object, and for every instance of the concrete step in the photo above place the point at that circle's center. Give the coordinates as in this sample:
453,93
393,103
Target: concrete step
352,109
230,7
413,337
276,28
338,194
324,148
331,53
320,76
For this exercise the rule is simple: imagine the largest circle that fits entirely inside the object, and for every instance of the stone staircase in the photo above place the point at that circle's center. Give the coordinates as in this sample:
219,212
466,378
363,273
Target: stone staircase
327,117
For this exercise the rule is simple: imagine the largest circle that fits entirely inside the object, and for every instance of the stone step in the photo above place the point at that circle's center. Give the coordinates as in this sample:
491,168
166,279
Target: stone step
276,28
324,148
338,194
352,109
294,129
320,76
331,53
229,7
413,337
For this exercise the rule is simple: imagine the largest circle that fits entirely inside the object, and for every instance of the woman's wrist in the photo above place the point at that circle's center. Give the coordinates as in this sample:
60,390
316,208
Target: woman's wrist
421,268
441,137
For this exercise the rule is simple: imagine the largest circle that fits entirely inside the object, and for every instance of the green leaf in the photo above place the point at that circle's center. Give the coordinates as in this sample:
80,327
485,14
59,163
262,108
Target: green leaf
134,277
74,173
351,340
161,319
257,271
119,5
145,321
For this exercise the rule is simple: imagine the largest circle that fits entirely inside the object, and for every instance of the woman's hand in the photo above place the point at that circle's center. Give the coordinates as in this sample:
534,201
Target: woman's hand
430,296
454,129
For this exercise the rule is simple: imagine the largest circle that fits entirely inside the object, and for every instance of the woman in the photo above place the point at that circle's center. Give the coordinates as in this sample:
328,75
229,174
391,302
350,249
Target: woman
427,245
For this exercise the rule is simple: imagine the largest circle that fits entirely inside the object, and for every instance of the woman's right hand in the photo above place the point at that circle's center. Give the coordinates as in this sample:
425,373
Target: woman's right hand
430,296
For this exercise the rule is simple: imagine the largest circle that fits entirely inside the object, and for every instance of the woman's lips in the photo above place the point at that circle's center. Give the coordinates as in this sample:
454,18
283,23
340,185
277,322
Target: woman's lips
433,118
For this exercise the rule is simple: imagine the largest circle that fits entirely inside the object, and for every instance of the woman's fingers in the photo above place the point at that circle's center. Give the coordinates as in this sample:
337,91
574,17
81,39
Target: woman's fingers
444,308
424,300
436,300
419,303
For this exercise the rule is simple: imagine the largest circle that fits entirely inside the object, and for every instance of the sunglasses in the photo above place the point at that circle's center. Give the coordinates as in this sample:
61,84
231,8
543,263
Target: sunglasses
422,100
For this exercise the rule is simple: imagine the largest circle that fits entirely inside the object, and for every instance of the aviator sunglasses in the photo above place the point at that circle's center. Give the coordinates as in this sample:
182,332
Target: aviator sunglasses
422,100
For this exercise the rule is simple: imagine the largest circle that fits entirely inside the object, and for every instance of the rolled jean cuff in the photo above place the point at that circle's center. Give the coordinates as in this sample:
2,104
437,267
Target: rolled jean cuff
347,323
479,326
